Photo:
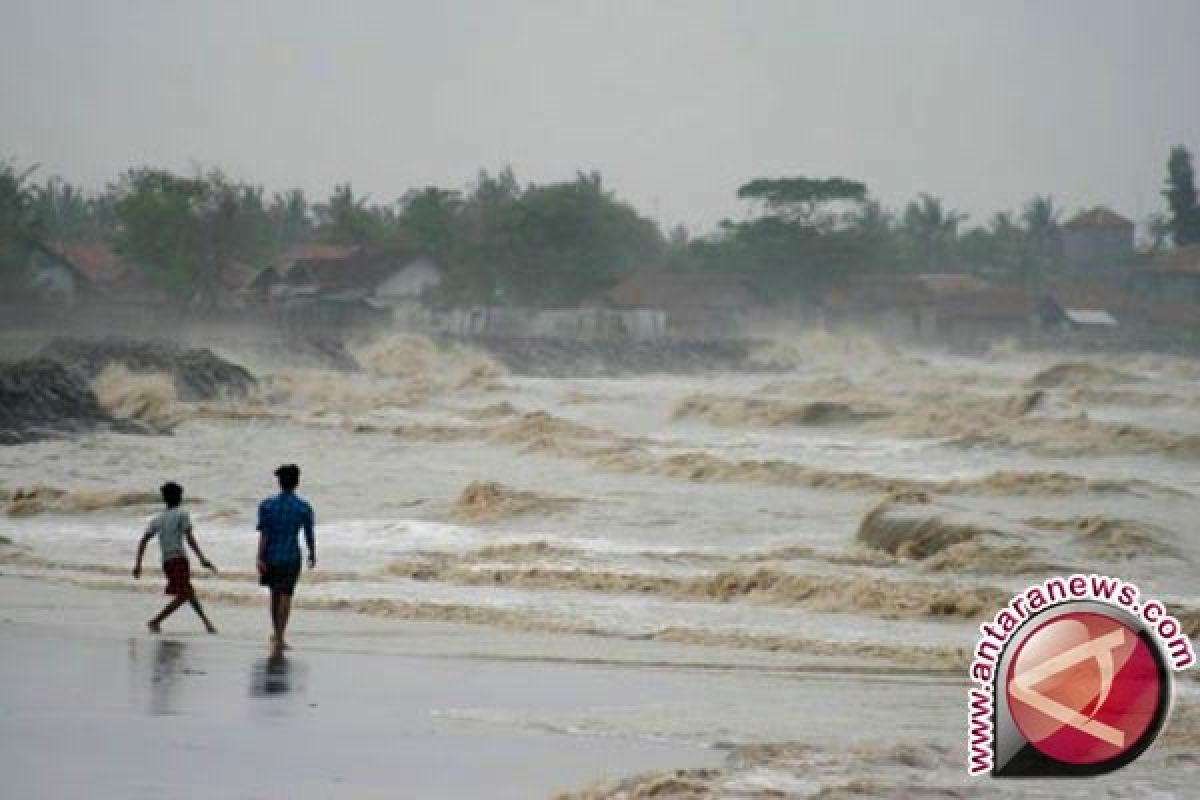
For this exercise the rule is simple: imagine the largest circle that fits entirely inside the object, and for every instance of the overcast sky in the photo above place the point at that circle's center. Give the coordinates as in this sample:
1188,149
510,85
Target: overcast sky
676,103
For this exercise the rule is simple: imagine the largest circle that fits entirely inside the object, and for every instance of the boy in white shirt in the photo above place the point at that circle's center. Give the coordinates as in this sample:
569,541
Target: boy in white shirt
173,527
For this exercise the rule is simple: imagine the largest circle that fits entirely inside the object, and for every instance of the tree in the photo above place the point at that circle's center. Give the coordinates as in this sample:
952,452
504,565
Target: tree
290,217
430,218
803,200
186,231
1043,237
570,240
809,234
347,219
160,227
21,228
873,232
1181,197
930,235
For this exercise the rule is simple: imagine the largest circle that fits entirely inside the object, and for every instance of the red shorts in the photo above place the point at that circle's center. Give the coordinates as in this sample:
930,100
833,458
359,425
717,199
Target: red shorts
179,577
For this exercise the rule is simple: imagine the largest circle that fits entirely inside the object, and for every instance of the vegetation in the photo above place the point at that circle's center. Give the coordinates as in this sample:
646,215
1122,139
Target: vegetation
1180,193
20,224
551,244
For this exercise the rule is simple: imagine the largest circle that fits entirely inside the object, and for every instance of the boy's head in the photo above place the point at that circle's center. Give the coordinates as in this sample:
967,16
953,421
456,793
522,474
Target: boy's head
172,494
289,477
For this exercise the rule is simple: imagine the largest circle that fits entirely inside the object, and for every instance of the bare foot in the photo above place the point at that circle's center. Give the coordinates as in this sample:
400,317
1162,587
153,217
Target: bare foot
152,626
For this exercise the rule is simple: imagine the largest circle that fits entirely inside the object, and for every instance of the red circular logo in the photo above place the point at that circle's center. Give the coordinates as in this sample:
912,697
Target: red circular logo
1084,688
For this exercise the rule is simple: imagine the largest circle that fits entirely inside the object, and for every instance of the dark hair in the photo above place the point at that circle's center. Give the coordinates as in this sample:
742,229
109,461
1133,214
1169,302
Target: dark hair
289,477
172,493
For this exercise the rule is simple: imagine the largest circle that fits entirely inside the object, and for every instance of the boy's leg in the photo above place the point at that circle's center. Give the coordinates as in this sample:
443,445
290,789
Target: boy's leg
285,610
208,626
167,611
275,633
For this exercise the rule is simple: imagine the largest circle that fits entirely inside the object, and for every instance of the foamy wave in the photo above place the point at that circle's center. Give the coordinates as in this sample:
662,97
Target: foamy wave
145,397
765,586
23,502
1111,537
488,501
418,358
1079,373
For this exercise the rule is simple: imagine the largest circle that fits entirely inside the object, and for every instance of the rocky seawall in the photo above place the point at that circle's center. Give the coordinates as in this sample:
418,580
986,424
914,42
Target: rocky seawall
41,398
78,386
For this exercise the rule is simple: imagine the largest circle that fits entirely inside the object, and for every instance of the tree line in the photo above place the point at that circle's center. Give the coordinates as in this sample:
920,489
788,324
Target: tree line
552,244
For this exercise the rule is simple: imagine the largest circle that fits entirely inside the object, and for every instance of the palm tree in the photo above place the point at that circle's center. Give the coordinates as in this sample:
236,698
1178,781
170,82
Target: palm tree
21,230
1043,237
931,234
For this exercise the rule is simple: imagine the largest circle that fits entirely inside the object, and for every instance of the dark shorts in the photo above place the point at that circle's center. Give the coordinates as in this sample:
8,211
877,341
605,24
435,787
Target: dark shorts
179,577
281,578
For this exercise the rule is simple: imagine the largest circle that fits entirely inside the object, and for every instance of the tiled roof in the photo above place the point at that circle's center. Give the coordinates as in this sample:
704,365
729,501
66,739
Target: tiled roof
313,252
1098,217
98,262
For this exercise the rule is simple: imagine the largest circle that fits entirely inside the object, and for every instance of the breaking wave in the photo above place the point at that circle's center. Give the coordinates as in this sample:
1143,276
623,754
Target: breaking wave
26,502
1079,373
417,357
759,411
145,397
1110,537
488,501
764,586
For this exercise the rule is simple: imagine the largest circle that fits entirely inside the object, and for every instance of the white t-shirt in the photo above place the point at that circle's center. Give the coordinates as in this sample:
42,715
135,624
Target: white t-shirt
170,527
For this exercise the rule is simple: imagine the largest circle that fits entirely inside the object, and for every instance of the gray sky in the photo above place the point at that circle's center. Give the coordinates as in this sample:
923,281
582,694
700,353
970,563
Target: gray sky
677,103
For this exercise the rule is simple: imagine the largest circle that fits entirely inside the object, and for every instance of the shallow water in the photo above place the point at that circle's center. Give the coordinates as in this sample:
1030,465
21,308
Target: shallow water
382,498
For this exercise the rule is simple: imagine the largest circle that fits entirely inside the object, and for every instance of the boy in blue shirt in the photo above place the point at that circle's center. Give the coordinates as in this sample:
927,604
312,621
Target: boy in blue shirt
280,520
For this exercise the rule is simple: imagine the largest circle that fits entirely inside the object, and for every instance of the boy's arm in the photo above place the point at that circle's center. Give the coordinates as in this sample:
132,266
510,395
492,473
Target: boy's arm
191,540
310,539
262,553
141,551
261,557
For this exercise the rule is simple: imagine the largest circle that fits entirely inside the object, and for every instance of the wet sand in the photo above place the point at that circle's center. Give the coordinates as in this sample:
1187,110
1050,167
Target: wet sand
91,706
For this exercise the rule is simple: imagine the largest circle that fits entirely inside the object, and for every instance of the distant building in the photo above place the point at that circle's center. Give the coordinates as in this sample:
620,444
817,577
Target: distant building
904,307
1174,275
972,321
290,256
56,279
96,271
341,285
699,306
1097,241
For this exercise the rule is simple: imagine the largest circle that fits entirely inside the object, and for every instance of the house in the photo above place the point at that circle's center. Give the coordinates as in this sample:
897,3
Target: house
1097,241
57,279
386,276
904,307
106,276
346,285
895,306
973,321
1172,275
409,283
285,260
698,306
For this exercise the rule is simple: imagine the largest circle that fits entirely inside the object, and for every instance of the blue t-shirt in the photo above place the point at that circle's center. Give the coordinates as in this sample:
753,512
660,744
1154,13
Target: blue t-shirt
280,520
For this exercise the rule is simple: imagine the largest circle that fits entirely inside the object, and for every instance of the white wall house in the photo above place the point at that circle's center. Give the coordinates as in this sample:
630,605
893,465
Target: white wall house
408,282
